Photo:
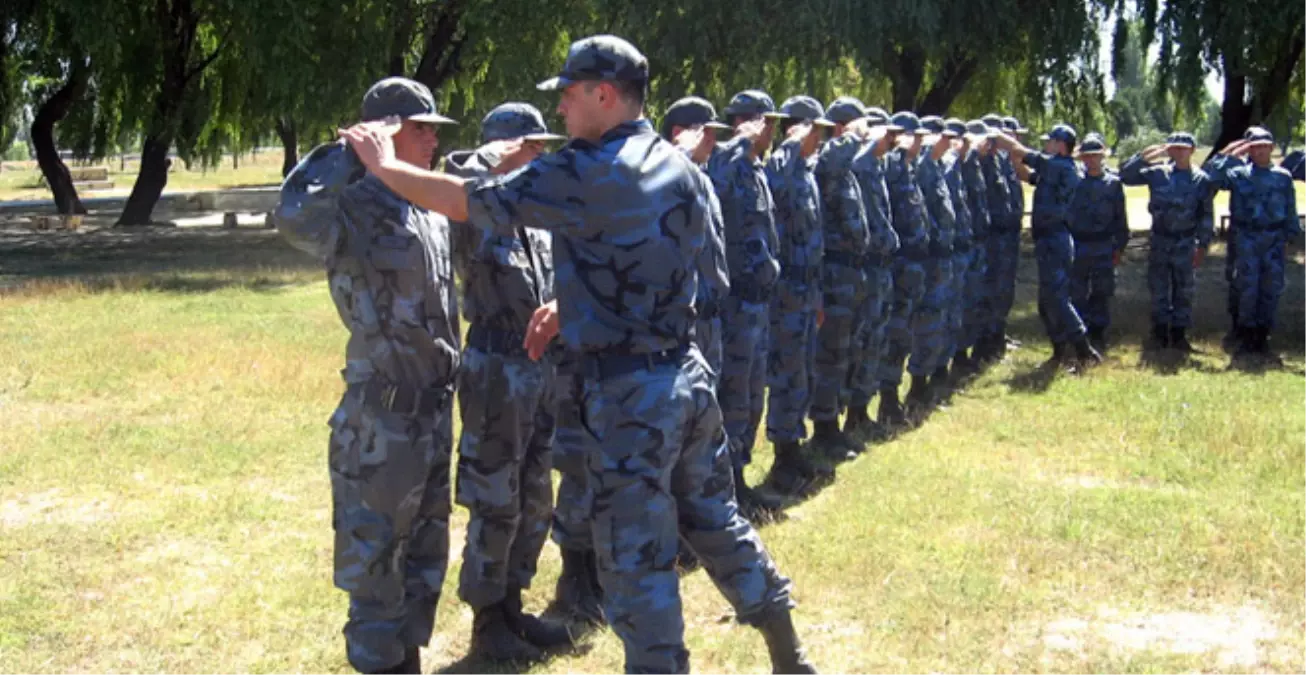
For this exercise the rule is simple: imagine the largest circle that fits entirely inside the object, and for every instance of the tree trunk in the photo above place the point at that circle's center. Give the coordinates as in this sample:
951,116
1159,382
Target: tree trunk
150,181
50,113
952,80
289,145
442,45
907,78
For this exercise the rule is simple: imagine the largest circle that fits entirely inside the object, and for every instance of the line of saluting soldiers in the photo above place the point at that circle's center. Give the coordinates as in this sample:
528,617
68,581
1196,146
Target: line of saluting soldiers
676,272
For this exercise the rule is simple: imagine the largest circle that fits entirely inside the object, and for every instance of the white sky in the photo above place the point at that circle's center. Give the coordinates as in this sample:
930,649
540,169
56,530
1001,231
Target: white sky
1214,83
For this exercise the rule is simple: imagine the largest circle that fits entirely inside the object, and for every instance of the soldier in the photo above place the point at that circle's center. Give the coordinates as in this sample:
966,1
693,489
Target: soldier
910,222
1058,177
843,277
1010,235
1100,230
1263,210
963,248
1002,247
507,407
873,318
1182,227
930,322
797,299
391,279
629,215
975,323
748,211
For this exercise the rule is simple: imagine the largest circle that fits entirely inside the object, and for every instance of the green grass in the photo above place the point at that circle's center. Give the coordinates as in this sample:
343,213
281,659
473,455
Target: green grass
164,498
23,181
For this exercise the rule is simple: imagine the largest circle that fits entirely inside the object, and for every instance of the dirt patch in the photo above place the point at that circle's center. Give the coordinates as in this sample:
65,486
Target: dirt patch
1233,635
53,507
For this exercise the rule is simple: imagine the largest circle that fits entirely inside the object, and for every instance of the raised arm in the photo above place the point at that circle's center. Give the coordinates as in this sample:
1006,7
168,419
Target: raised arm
308,214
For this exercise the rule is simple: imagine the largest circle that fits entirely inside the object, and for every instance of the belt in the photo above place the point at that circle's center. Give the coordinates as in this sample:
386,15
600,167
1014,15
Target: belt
750,291
405,400
845,258
802,273
1092,237
601,366
495,340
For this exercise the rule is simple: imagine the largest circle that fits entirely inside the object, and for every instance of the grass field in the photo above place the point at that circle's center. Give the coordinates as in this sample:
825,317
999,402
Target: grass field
23,181
164,499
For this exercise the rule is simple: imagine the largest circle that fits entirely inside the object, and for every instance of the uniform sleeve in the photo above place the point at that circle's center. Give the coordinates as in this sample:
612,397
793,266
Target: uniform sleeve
1291,224
1119,217
547,194
1134,171
1205,214
1036,161
842,198
308,213
729,152
837,156
750,240
713,269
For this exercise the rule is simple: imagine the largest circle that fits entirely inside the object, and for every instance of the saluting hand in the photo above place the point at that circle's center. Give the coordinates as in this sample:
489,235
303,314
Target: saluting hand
372,141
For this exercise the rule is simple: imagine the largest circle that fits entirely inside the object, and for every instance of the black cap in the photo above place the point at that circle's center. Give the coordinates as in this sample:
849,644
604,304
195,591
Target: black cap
935,125
516,120
845,109
1064,133
1013,125
956,126
993,121
688,112
1181,139
600,58
909,122
750,102
977,127
403,98
1093,145
805,108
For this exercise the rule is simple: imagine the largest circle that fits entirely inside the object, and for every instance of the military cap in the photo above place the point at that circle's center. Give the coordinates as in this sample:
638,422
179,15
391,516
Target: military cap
752,102
935,125
845,109
993,121
516,120
805,108
977,127
1093,145
1013,125
1181,139
690,111
1064,133
403,98
878,117
955,126
908,121
1258,136
600,58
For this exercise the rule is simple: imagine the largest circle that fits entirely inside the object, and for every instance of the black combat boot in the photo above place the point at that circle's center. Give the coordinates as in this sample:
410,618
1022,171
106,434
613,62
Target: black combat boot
493,638
857,426
962,365
828,438
752,504
533,629
1097,338
890,413
921,394
1160,337
578,593
411,665
1059,354
1085,355
1008,341
1179,340
792,473
787,655
940,382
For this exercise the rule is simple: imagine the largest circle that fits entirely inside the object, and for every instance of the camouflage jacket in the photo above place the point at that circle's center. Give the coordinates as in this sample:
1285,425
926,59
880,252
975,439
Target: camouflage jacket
797,211
952,174
388,267
506,277
1260,198
938,204
870,172
630,217
844,213
1058,178
711,289
1099,211
1180,201
909,216
977,197
999,200
748,213
1015,191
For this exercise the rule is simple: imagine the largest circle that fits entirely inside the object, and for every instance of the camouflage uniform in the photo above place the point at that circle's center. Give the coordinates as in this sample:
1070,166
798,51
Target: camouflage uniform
1009,243
846,238
751,247
1100,230
1263,209
929,347
798,294
962,253
1054,194
1002,247
391,278
505,400
629,215
873,325
1182,221
975,323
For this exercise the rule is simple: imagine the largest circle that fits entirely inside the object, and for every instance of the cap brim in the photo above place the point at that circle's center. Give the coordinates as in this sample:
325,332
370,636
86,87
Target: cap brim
775,115
921,131
433,118
554,84
1180,145
716,125
822,122
545,137
1263,141
948,133
1092,152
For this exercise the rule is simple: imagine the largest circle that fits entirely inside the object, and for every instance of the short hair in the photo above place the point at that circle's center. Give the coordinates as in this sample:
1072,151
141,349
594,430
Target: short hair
630,91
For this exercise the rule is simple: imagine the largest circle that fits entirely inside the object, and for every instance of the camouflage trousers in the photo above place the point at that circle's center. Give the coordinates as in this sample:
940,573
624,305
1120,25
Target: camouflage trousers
1093,283
506,405
1001,265
1259,278
707,335
930,338
977,321
1171,280
571,510
742,385
1055,252
1231,271
962,260
390,513
659,470
792,356
908,291
845,294
871,336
